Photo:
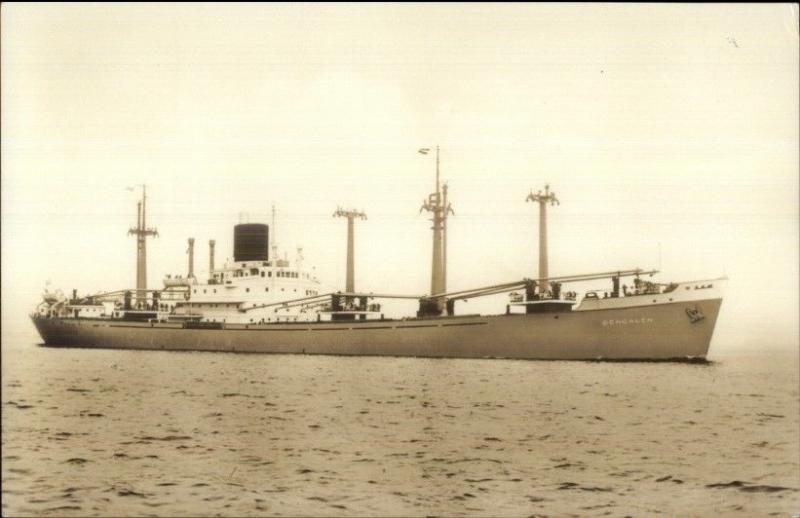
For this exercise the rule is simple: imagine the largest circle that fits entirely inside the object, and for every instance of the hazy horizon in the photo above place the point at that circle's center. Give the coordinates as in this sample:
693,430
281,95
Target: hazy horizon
670,127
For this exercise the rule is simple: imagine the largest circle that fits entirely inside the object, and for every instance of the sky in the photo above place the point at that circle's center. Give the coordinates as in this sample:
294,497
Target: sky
668,132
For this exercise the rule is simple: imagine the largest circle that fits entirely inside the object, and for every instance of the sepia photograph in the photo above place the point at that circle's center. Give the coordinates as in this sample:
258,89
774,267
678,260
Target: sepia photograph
400,259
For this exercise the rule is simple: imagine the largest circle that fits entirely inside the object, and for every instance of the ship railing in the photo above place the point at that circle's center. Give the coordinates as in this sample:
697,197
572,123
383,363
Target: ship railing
453,295
327,298
450,298
510,286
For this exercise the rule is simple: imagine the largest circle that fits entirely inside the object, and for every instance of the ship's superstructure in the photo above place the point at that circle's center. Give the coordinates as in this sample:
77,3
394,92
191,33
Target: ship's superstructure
259,302
251,279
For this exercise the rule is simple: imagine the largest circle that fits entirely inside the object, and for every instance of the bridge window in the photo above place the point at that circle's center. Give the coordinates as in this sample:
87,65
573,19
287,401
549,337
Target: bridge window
247,290
269,274
266,289
262,274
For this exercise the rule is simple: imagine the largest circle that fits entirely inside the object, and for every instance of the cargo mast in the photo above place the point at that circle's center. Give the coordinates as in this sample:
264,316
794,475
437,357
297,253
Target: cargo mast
448,209
438,206
190,251
211,244
350,215
274,236
543,200
141,232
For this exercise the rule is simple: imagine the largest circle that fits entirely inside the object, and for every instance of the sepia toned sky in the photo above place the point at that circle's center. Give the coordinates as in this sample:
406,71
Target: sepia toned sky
660,127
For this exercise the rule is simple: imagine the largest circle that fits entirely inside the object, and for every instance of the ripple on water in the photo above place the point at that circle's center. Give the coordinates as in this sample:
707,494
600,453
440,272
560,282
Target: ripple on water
284,435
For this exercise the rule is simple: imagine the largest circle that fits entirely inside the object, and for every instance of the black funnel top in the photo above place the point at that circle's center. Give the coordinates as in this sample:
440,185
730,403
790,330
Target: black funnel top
251,242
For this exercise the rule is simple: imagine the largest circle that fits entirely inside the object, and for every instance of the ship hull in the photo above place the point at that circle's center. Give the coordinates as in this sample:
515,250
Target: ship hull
678,330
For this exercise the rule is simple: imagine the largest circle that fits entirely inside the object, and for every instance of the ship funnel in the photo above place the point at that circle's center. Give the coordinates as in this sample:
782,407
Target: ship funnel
250,242
191,258
211,244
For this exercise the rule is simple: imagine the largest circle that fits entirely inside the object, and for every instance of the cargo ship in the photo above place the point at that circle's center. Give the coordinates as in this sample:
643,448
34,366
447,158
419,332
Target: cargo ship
260,303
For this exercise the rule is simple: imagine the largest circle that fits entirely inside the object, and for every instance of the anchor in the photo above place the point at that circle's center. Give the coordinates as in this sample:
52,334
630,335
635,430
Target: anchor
694,314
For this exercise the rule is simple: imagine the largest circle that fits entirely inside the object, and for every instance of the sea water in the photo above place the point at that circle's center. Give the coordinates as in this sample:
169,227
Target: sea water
132,433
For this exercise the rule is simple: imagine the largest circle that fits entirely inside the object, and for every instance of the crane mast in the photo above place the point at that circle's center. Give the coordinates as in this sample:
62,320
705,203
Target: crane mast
543,199
350,215
142,233
439,208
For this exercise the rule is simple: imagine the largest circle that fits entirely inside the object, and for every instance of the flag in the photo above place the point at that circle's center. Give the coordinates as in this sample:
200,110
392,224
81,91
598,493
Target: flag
424,150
